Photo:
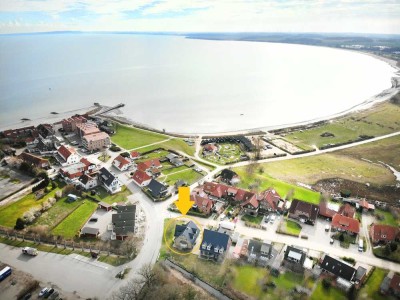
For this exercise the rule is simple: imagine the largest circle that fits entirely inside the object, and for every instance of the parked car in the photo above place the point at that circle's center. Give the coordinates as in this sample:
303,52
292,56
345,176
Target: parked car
331,241
48,293
43,291
272,219
93,220
327,228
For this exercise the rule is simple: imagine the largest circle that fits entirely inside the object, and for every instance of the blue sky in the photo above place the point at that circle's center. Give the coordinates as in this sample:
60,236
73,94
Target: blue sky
369,16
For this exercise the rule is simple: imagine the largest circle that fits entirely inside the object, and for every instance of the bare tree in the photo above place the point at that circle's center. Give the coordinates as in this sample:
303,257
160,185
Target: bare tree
148,274
258,145
130,291
129,246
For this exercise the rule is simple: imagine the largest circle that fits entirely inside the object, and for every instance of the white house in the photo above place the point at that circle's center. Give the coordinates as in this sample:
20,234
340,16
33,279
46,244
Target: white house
68,154
109,181
122,163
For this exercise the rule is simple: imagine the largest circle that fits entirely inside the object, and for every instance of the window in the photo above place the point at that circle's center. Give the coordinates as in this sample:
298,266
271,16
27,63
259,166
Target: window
221,250
208,247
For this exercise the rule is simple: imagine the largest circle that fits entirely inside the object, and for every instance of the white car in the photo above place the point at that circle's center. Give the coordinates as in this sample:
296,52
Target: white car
272,220
43,291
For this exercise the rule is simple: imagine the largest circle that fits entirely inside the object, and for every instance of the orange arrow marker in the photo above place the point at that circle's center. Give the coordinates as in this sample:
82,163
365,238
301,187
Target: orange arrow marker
183,203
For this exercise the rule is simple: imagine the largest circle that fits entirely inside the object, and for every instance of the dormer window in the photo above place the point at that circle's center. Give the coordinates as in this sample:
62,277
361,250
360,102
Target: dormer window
216,249
204,246
221,250
209,247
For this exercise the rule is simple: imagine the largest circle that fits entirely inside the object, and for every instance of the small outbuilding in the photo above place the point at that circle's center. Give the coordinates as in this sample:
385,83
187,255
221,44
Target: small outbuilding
105,206
89,232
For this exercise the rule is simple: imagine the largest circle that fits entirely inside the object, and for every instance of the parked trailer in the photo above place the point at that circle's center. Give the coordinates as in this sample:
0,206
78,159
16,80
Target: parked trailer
29,251
5,273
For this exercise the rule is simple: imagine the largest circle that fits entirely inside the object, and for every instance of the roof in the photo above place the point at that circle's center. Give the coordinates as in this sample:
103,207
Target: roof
33,159
66,152
122,161
124,220
96,136
360,273
145,165
85,178
345,223
89,230
140,176
215,239
106,177
86,162
156,188
347,210
254,247
171,156
104,204
203,203
325,211
87,128
271,197
228,174
338,268
305,209
384,232
250,200
395,283
294,253
190,231
134,154
210,147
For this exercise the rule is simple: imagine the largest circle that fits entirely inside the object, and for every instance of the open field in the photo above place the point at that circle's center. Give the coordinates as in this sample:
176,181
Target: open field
129,137
381,119
70,226
227,153
173,144
310,170
370,290
190,176
386,218
115,198
283,188
385,150
10,213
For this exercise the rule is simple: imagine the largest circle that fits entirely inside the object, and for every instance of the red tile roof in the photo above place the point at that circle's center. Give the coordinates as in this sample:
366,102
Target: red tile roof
66,152
347,210
204,204
345,223
140,176
145,165
33,159
270,196
85,161
386,233
325,211
122,161
395,283
210,148
135,154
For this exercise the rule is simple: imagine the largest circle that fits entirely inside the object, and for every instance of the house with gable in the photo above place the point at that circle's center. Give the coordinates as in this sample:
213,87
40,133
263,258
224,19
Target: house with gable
270,200
203,204
141,178
341,271
303,211
384,234
122,163
109,181
345,224
214,245
185,236
88,182
258,252
124,221
210,149
34,160
134,155
228,176
68,154
157,189
294,259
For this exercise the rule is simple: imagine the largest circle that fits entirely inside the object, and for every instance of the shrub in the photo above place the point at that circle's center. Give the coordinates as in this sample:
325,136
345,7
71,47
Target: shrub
54,185
58,195
19,224
326,283
28,216
393,246
341,237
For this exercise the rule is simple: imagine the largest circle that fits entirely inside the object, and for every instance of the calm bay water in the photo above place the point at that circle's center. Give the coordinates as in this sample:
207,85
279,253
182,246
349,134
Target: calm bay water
182,85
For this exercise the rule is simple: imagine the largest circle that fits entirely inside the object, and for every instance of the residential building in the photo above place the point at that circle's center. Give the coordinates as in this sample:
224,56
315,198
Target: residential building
366,206
202,204
147,165
89,232
344,273
26,135
259,252
228,176
105,206
157,189
34,160
109,181
134,155
141,178
360,276
346,224
303,211
122,163
185,236
68,154
326,211
347,210
124,221
380,233
88,182
69,124
96,141
174,159
270,200
87,128
250,204
394,286
72,172
214,245
210,149
294,259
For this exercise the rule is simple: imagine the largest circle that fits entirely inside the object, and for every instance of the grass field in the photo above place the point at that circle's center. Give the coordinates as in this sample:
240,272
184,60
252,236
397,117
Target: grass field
71,225
10,213
283,188
311,169
370,290
104,196
190,176
331,294
291,227
129,137
385,150
386,218
246,278
379,120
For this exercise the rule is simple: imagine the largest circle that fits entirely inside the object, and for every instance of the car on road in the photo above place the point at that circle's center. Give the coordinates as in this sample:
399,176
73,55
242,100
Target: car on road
48,293
266,220
331,241
93,219
43,291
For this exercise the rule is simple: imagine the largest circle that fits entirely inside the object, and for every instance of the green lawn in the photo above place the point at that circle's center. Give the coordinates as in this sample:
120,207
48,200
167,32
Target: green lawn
10,213
170,170
251,219
154,154
292,227
331,294
381,119
74,222
129,137
104,158
60,210
228,153
388,218
190,176
246,279
104,196
370,290
283,188
393,256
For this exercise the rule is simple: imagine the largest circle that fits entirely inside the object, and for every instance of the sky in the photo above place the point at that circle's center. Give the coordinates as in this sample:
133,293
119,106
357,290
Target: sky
364,16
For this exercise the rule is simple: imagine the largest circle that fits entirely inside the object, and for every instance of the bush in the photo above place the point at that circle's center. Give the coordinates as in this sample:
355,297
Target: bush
326,283
58,195
349,260
19,224
54,185
125,154
341,237
393,246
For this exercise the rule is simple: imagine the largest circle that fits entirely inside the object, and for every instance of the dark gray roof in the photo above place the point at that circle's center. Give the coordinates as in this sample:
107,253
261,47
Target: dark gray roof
127,208
215,239
304,208
106,177
156,188
292,250
254,247
124,220
170,156
228,174
360,273
89,230
189,230
176,161
124,230
85,179
338,268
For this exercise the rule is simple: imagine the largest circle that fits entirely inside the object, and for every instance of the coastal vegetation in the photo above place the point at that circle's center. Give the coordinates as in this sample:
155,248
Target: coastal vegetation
381,119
